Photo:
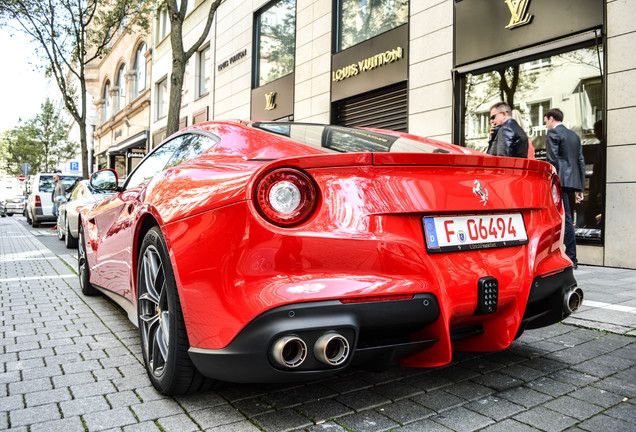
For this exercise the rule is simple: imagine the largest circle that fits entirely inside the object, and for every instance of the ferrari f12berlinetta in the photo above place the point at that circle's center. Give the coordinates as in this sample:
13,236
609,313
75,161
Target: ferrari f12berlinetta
270,252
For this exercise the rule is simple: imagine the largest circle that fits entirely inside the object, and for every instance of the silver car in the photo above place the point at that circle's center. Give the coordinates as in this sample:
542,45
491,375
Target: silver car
68,209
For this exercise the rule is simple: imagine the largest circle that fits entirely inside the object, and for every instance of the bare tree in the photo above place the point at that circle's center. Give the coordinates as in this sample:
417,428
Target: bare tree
177,13
69,34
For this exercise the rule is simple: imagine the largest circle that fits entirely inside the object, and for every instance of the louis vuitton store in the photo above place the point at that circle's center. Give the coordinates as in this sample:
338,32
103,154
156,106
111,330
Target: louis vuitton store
537,55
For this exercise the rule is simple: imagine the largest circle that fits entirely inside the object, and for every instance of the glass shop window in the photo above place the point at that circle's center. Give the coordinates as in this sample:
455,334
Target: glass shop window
570,81
359,20
276,41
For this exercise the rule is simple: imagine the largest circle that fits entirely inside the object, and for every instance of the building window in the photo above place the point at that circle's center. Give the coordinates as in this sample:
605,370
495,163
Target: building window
139,80
163,24
570,81
120,100
276,41
106,102
162,98
202,71
359,20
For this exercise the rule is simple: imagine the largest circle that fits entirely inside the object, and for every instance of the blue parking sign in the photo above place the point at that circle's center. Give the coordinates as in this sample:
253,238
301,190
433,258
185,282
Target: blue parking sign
74,166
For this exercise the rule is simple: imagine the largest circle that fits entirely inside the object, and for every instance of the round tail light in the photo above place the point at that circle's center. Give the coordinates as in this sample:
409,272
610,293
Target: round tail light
556,192
285,197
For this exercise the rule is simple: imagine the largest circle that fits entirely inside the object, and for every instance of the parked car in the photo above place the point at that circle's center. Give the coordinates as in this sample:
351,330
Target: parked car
15,206
68,209
3,209
271,252
39,206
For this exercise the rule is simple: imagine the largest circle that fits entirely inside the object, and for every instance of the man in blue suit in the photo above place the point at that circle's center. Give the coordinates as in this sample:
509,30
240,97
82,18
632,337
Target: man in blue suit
564,151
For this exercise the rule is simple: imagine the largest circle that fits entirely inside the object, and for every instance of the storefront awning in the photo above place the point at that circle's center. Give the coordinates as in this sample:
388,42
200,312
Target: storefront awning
136,141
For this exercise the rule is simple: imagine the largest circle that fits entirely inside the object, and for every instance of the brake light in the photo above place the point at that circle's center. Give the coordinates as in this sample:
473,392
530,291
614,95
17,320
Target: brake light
285,197
556,192
38,201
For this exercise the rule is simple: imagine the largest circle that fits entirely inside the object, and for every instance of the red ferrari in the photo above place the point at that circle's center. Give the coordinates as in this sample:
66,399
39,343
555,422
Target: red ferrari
270,252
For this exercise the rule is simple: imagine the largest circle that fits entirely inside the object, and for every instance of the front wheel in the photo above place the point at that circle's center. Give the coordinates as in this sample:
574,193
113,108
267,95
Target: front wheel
82,266
162,329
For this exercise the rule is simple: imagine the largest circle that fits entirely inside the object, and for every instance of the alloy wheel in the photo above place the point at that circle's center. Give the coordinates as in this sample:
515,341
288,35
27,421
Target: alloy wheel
154,311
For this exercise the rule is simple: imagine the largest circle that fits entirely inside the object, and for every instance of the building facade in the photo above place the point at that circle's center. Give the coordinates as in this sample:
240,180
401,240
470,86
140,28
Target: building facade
120,86
429,67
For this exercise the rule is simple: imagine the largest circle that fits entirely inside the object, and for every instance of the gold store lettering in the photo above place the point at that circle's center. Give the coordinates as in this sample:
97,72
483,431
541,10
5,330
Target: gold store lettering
367,64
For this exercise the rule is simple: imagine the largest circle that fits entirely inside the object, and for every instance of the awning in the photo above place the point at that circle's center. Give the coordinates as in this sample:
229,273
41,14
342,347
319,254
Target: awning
135,141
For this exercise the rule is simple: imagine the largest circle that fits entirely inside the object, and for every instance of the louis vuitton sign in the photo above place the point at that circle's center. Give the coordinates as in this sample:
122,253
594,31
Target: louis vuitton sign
376,63
367,64
486,29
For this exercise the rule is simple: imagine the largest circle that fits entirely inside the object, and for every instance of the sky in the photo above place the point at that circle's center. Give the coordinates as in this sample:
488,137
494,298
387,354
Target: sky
22,89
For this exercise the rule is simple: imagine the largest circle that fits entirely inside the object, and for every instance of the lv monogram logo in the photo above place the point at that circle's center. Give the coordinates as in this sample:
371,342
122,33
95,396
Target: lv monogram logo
518,13
270,101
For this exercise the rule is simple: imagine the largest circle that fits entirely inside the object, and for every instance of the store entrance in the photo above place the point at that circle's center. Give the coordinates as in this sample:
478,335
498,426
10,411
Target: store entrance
570,81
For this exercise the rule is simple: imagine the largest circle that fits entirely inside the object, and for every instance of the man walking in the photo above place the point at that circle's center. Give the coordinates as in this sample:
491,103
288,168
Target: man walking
59,190
564,151
507,138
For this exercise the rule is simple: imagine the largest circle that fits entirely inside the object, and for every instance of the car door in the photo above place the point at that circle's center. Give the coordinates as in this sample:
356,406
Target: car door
114,222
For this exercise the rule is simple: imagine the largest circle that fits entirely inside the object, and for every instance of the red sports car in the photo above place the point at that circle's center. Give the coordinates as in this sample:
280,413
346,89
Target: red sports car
268,252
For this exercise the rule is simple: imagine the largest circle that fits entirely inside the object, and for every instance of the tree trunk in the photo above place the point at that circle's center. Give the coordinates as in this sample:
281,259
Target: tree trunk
176,86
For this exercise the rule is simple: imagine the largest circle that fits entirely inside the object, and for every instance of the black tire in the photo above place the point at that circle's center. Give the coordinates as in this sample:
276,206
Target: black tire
60,233
82,266
34,222
9,214
69,240
28,218
165,353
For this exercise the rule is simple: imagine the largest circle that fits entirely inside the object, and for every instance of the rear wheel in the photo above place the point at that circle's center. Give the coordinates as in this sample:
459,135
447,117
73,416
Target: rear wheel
164,340
60,233
82,266
69,240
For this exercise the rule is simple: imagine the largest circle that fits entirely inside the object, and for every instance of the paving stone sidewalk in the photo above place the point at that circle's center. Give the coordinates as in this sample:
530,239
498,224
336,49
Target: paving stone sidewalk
73,363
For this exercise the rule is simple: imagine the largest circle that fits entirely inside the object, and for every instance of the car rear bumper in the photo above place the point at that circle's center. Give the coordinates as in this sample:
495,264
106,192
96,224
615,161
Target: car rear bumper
372,330
547,302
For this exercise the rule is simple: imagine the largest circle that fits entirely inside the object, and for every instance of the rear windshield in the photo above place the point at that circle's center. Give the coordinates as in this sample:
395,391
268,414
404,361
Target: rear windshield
47,184
347,140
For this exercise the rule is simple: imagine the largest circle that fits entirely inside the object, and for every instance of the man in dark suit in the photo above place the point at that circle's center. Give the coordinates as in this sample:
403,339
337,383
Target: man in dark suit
507,138
564,151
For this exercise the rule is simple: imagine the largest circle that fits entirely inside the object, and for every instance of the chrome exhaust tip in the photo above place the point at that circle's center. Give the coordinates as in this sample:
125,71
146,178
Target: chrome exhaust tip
289,351
573,300
332,349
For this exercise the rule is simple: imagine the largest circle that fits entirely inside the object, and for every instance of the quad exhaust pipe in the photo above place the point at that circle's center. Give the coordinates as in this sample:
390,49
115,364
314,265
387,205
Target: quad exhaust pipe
331,349
573,300
290,351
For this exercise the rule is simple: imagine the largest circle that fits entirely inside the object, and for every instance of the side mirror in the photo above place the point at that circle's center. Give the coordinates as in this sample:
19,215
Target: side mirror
105,180
61,199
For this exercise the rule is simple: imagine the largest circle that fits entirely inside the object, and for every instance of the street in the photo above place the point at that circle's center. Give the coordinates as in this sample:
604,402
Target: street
73,363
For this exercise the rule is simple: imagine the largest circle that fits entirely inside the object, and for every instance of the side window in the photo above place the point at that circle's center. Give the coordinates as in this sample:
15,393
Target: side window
153,163
77,192
192,146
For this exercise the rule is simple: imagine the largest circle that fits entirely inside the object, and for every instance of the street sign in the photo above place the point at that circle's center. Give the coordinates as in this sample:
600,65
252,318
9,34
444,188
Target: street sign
21,177
26,167
74,166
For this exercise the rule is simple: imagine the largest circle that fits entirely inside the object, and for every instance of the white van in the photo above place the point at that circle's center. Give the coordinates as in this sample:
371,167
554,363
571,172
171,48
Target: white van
39,206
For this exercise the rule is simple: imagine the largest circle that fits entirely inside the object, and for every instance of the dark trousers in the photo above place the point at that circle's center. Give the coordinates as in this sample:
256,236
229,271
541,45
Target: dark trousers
569,238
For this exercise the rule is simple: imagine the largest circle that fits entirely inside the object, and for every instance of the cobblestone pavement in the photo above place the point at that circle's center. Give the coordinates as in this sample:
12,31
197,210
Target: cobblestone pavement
73,363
